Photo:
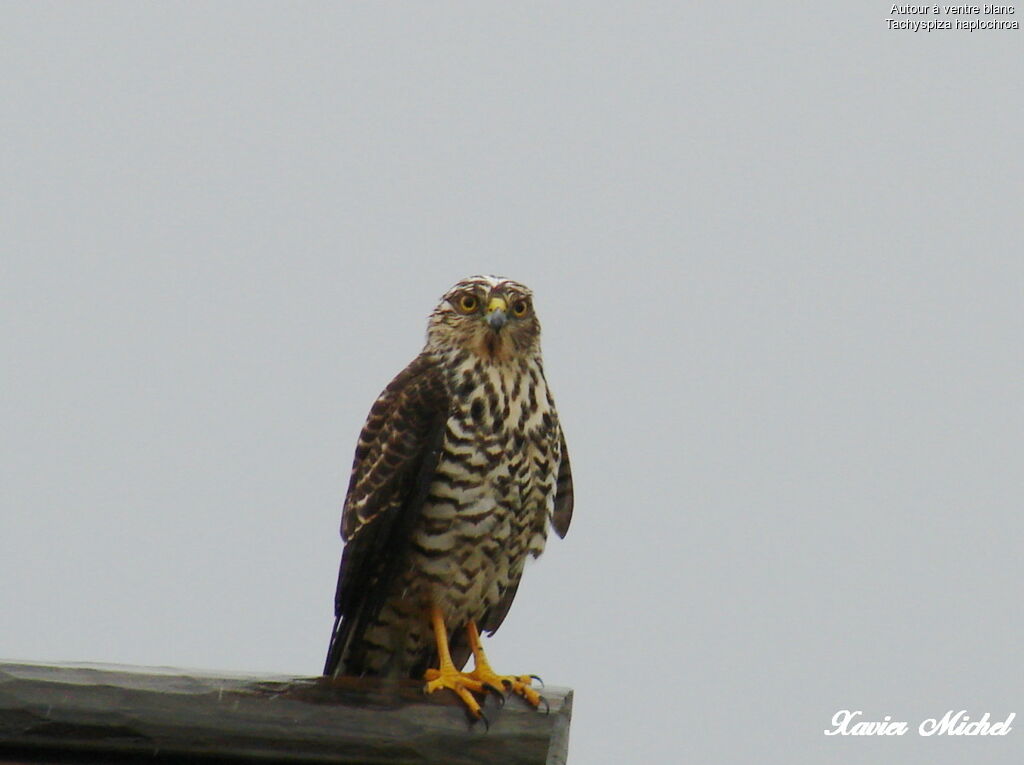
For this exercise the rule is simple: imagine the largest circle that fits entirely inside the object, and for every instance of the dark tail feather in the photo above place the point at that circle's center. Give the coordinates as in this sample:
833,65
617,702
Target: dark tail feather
336,649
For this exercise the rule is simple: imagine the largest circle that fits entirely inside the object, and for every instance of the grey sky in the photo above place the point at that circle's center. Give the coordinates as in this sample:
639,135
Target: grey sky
776,254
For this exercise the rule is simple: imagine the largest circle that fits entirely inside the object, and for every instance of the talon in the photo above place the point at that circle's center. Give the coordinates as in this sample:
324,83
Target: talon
537,678
482,672
461,684
499,698
491,688
547,706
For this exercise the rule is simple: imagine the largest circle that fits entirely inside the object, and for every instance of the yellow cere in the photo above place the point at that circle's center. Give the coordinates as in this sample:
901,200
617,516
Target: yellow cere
497,304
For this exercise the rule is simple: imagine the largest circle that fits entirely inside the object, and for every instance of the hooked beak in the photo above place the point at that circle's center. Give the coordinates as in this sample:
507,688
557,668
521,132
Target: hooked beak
496,316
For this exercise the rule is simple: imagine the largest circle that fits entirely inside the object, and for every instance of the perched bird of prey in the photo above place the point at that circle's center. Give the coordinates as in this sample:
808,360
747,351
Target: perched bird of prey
459,469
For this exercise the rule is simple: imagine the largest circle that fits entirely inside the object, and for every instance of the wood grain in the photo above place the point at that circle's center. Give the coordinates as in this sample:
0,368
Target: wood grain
92,713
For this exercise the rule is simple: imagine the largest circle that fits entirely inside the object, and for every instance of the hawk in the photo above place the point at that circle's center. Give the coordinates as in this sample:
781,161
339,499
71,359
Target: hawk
459,470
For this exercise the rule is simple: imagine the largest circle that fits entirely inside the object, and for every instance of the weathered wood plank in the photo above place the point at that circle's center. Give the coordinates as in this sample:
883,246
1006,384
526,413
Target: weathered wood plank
126,711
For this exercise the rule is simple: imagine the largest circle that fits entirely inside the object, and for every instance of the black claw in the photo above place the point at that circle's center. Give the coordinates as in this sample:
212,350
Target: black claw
547,706
487,723
498,693
537,678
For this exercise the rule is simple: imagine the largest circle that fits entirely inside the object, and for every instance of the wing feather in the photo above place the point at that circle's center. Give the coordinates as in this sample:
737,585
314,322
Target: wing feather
562,515
395,459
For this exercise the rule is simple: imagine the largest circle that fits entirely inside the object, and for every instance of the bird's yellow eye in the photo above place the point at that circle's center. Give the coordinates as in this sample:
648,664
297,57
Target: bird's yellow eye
468,303
519,308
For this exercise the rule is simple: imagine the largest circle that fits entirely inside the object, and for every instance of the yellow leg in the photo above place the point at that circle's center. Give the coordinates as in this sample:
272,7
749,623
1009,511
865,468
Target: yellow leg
446,676
483,673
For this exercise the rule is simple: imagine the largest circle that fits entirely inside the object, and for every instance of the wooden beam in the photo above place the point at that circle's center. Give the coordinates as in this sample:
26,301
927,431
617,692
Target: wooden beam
88,713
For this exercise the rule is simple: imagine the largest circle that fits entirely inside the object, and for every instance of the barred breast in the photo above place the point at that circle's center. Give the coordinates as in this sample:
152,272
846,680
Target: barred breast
487,507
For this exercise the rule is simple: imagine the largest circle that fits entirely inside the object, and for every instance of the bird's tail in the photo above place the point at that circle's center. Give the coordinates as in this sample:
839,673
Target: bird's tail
336,649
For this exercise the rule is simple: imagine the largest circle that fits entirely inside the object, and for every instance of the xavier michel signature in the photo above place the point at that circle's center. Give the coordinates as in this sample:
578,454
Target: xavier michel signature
846,722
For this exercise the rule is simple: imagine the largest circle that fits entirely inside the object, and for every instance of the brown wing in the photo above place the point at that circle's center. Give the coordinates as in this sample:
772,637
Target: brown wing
395,459
562,514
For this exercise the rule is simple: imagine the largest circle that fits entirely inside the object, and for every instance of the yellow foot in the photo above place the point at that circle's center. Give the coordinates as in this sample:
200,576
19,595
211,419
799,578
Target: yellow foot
463,684
518,684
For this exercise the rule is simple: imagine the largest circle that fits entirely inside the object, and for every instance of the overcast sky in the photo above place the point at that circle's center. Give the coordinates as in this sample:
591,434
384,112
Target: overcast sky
776,252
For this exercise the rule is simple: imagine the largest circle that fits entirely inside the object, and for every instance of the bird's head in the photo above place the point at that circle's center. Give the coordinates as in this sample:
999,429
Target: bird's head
489,316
